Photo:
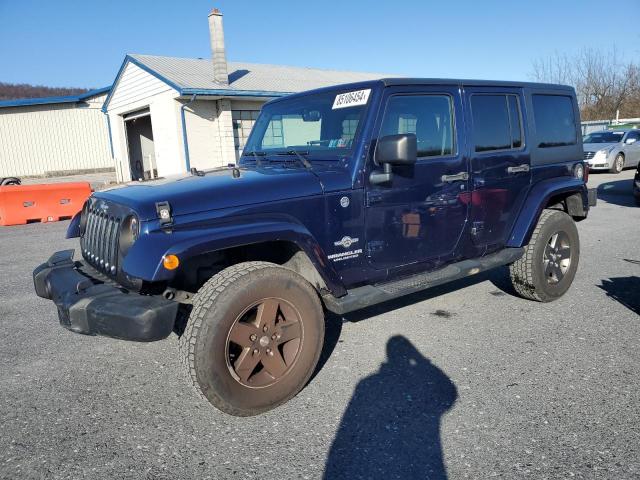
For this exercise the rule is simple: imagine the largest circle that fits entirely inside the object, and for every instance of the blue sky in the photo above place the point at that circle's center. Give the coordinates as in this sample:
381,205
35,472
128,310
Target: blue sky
83,43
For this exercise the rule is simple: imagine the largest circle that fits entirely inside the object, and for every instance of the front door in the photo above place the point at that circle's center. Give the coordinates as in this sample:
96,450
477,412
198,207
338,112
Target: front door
417,218
500,163
631,150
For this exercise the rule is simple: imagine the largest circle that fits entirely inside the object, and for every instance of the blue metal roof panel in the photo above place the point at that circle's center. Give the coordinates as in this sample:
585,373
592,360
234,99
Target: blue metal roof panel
21,102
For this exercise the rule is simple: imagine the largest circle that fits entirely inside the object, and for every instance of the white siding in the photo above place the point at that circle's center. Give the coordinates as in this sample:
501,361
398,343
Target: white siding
201,118
38,139
137,89
135,85
225,132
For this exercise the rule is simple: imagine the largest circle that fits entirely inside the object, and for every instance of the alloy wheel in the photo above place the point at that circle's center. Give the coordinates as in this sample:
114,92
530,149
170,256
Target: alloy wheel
619,163
264,342
557,257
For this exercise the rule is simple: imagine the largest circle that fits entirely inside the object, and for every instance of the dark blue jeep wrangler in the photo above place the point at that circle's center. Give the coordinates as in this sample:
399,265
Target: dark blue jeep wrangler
344,197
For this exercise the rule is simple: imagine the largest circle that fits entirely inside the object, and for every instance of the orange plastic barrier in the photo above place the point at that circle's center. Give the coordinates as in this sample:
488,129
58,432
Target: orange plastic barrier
20,204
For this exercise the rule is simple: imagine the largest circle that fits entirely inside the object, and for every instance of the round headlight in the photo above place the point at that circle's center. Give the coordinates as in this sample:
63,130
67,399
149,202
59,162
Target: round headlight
134,226
83,218
129,233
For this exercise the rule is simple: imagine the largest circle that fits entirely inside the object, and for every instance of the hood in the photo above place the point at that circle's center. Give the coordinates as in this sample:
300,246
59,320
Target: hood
594,147
217,189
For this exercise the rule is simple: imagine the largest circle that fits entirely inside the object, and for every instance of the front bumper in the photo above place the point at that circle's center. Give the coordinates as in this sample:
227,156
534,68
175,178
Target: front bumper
91,304
599,166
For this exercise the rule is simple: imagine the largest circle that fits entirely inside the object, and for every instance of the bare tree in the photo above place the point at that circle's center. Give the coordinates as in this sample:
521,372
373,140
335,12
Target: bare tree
605,84
11,91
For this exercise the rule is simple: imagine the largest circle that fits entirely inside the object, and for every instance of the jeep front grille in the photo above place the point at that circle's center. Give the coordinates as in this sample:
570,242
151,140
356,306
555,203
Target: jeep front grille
589,155
99,242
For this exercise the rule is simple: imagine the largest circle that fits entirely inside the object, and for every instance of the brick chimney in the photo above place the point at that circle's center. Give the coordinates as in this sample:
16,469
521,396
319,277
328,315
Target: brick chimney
218,55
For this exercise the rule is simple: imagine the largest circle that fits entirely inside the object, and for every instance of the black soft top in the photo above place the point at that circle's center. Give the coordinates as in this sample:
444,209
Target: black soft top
472,83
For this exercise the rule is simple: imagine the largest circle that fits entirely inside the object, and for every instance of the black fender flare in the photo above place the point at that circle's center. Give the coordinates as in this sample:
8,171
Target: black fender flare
537,200
144,259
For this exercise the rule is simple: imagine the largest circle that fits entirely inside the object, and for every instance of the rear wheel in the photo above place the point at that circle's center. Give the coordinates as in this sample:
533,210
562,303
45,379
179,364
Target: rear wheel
547,268
253,338
618,164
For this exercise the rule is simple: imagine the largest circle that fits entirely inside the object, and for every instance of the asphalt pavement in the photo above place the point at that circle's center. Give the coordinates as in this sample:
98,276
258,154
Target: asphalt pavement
464,381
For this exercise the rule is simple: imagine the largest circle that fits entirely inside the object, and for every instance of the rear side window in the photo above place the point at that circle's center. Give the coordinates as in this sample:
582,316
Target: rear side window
555,121
497,123
428,117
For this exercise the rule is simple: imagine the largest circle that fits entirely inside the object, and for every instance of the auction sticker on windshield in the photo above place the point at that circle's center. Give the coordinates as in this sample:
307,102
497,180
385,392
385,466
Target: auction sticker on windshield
351,99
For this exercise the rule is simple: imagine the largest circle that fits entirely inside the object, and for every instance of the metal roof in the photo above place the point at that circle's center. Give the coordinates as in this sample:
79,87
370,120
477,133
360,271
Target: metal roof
50,100
194,75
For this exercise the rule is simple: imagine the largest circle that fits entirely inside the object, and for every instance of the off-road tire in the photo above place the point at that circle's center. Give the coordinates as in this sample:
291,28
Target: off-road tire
216,306
527,273
618,164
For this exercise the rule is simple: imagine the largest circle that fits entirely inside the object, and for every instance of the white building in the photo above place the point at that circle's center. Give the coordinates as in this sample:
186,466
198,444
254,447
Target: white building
168,115
54,135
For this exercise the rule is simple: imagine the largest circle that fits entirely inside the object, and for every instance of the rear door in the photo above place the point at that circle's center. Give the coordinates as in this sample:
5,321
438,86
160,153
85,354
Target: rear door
500,162
418,217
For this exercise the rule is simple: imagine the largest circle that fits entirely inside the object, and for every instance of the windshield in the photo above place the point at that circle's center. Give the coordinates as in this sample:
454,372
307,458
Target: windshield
322,125
603,137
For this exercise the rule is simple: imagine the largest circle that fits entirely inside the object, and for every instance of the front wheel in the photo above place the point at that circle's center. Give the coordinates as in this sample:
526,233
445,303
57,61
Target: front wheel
253,338
547,268
618,164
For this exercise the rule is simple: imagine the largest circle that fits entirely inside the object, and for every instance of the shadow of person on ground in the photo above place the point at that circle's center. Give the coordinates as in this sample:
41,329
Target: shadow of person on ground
625,290
391,428
618,192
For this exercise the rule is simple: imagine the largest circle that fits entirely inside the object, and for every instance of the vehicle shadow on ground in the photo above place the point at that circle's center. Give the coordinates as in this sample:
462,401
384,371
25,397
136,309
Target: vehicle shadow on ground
625,290
499,277
391,427
618,192
332,331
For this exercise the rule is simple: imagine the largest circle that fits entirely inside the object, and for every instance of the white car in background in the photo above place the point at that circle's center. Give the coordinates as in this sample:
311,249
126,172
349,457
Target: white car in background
612,150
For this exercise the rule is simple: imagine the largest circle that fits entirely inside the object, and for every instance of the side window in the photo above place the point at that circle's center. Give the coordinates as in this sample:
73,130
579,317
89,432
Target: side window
634,134
429,117
497,122
555,122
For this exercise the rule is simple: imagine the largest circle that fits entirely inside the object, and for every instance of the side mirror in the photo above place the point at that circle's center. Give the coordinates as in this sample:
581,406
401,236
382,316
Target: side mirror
630,141
401,149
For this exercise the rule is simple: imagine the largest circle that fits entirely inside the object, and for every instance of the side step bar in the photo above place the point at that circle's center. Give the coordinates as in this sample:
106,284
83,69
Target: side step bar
367,295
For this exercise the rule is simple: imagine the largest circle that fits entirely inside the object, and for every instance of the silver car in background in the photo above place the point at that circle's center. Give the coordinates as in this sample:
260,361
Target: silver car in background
612,150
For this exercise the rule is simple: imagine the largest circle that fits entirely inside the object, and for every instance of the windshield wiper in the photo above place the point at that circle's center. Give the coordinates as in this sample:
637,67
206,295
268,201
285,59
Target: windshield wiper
299,155
305,162
256,155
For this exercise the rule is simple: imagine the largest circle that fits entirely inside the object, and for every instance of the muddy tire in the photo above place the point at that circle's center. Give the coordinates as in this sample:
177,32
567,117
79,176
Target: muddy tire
547,268
253,337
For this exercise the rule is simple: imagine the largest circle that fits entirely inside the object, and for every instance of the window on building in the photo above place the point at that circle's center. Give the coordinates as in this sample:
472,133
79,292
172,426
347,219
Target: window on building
497,123
555,121
243,121
429,117
349,127
273,136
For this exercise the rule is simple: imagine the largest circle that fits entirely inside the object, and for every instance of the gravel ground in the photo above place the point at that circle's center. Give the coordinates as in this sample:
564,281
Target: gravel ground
466,381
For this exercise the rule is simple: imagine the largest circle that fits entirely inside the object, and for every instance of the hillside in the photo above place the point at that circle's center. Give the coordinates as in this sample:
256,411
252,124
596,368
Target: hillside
11,91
